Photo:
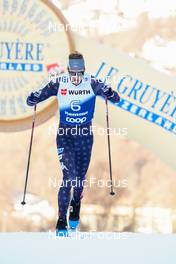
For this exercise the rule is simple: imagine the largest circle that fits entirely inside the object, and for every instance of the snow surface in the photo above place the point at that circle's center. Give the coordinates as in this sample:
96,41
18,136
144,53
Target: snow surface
35,248
160,52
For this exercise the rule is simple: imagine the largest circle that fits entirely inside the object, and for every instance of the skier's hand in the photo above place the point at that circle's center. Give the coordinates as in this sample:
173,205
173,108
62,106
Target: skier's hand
33,99
108,92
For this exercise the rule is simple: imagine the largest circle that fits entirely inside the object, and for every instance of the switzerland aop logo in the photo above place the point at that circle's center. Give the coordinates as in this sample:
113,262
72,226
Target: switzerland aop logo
64,91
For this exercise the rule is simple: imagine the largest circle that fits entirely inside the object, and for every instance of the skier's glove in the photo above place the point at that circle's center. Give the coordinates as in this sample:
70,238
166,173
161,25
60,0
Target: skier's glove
33,99
108,92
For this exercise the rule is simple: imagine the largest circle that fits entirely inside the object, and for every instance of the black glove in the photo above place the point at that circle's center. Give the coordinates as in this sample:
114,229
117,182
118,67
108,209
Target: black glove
108,92
33,99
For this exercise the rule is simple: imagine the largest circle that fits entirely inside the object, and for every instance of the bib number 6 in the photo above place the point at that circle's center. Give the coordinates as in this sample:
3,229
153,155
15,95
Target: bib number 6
75,105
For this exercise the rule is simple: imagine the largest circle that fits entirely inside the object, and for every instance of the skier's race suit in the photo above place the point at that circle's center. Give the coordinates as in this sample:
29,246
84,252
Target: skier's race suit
74,136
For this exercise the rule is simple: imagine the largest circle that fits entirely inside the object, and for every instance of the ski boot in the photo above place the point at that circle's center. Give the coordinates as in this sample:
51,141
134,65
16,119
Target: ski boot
61,227
74,214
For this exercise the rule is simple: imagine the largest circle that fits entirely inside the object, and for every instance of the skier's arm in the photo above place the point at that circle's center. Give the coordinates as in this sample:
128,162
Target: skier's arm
100,88
51,89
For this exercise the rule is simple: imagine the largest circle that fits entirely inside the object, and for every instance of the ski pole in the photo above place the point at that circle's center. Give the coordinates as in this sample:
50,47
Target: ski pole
109,148
29,155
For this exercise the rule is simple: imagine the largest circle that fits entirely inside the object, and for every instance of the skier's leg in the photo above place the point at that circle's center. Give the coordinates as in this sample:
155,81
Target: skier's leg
82,165
83,155
67,161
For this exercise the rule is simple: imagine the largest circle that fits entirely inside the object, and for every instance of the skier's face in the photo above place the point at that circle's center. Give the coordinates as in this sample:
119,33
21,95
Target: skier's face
76,76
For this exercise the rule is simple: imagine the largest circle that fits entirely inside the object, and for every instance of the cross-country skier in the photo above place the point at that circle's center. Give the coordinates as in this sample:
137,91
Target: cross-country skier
76,92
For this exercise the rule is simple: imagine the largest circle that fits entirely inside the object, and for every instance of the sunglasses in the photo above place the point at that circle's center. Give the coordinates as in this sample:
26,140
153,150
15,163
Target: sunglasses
77,73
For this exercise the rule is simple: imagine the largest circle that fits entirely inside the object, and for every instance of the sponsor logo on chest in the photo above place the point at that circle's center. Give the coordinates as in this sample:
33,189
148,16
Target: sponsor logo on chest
65,91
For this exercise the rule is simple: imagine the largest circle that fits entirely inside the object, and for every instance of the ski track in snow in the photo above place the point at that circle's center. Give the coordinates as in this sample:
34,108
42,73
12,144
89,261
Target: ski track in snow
86,247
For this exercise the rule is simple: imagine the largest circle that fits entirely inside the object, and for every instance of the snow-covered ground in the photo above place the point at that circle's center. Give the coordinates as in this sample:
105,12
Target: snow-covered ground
159,53
85,13
101,18
35,248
